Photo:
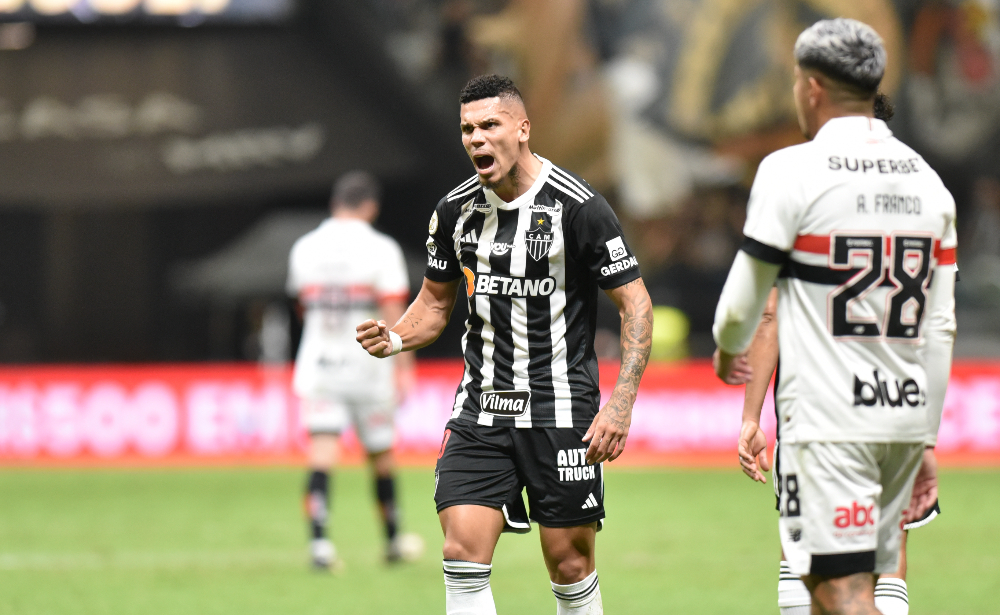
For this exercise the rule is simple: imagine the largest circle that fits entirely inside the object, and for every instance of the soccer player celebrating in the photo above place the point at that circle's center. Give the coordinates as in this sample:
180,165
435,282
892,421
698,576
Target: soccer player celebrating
533,243
342,272
862,232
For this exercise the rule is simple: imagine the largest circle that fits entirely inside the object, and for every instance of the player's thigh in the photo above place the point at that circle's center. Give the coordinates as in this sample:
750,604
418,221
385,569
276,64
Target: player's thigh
899,464
563,489
375,424
470,532
829,508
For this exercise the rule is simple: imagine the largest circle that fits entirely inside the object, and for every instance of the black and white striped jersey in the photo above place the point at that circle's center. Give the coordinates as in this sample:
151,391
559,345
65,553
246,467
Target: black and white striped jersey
532,270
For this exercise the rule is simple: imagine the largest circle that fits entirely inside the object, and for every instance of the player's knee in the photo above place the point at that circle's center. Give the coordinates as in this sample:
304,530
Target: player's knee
459,550
571,569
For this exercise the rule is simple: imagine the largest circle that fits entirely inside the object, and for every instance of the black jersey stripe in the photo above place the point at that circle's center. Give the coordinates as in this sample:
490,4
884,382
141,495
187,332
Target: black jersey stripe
818,274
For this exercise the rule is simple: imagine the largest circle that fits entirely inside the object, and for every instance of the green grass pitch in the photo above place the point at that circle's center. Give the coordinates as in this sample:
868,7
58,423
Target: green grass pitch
207,542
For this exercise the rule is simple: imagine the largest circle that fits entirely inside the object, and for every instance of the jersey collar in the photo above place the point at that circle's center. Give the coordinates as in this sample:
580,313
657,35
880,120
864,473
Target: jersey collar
527,197
853,126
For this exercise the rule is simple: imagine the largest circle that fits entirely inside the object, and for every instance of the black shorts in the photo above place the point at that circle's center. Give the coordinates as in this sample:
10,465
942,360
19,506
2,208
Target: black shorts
490,466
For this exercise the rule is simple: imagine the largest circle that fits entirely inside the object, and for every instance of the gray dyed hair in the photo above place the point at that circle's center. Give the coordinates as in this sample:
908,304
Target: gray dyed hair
843,49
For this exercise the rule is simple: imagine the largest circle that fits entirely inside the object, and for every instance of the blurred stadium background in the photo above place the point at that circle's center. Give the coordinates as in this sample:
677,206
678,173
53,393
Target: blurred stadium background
159,157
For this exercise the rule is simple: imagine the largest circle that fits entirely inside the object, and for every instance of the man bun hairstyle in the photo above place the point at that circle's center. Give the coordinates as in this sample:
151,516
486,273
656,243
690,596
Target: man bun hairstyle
489,86
844,50
354,188
883,107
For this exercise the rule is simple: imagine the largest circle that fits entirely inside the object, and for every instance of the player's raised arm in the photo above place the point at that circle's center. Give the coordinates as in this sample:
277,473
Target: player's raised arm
609,430
421,324
762,357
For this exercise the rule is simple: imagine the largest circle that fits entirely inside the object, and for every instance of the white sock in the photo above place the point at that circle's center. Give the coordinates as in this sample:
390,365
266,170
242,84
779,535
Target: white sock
580,598
891,598
793,597
467,588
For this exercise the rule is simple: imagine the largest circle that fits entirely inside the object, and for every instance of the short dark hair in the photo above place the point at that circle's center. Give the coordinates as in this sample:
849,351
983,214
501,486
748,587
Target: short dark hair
489,86
883,107
354,188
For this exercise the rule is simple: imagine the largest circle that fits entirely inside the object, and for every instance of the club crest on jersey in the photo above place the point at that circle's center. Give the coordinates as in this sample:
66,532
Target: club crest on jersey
538,237
509,404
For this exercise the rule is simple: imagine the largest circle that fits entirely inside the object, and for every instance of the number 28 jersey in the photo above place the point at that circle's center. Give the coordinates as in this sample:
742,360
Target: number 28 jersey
859,222
532,269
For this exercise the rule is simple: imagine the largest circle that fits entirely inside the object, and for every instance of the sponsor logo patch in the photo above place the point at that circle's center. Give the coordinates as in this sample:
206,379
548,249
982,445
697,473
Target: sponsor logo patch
484,208
538,238
431,246
486,284
498,248
619,266
616,248
879,392
437,263
432,227
549,210
571,463
508,404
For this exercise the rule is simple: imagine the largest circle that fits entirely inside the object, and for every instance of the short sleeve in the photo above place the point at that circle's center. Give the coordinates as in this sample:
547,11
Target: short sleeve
392,282
597,242
946,251
442,263
773,213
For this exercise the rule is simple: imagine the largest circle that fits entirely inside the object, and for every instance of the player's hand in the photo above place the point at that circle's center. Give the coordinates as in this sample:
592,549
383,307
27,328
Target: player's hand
753,451
925,488
374,338
731,368
608,431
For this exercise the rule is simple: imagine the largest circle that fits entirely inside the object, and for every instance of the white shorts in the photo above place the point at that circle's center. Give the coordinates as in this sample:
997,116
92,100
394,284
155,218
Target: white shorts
842,503
374,422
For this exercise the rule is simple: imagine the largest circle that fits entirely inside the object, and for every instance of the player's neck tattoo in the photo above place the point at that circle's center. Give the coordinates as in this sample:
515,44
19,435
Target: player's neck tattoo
512,179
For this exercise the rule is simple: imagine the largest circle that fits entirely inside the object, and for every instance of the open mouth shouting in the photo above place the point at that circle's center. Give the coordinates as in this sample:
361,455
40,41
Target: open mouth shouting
485,163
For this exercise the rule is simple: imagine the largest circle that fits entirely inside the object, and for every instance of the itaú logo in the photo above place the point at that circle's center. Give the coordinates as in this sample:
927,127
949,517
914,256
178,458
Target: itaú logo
857,515
488,284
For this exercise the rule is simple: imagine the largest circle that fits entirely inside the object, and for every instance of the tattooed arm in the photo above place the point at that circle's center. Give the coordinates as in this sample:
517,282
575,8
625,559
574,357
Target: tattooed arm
608,432
420,325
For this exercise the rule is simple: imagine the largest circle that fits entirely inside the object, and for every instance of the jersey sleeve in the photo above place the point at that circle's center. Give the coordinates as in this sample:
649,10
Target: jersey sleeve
292,284
392,282
596,241
442,263
773,213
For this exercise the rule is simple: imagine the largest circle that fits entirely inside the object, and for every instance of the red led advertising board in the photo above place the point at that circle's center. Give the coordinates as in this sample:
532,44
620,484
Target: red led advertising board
244,413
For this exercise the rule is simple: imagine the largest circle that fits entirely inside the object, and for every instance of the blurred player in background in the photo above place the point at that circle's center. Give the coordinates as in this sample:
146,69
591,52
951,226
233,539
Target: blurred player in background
857,224
342,272
533,243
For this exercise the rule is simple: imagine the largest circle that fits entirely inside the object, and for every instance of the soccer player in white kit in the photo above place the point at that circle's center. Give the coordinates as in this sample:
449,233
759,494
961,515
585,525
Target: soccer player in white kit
342,272
859,233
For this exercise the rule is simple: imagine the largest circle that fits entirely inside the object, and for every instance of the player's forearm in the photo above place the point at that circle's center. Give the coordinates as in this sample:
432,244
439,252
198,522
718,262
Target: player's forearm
762,357
939,339
742,302
636,310
424,320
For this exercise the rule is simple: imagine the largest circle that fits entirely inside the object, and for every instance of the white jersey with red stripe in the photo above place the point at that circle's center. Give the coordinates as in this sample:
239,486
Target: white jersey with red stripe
860,222
341,272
